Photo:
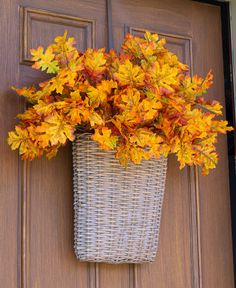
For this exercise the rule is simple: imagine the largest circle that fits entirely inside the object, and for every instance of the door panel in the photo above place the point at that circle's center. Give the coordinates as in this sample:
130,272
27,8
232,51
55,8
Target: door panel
47,215
36,242
39,27
214,199
175,255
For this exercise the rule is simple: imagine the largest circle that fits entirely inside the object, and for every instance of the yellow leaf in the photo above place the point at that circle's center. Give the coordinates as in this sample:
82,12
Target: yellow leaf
40,139
43,108
99,94
37,53
31,94
56,129
163,75
151,37
104,137
96,96
122,153
18,138
75,95
137,154
30,116
149,109
129,98
52,151
75,115
95,62
185,154
144,137
192,87
212,106
44,60
54,84
221,126
129,74
68,76
209,163
95,119
66,54
148,140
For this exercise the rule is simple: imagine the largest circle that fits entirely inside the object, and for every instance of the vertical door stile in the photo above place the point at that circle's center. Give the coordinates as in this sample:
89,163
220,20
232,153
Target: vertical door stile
133,268
93,281
109,25
95,267
24,171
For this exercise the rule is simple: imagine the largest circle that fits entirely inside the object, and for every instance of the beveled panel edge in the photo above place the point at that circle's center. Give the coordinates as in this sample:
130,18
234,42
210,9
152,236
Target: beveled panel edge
25,207
25,16
135,276
195,225
132,29
93,275
186,38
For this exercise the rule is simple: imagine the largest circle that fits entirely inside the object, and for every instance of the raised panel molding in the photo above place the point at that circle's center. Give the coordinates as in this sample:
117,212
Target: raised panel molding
181,45
40,27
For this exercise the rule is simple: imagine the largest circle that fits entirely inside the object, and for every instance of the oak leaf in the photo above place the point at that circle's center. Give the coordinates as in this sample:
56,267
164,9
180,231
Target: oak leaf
44,60
129,74
105,138
56,129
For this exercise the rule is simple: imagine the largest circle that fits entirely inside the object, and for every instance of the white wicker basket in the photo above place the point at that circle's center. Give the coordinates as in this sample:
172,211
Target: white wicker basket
117,210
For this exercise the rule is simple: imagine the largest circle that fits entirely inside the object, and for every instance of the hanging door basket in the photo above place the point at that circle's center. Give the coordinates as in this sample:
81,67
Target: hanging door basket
117,210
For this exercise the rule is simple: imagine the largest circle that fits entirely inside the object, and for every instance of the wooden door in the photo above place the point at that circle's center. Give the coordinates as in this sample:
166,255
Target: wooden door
36,215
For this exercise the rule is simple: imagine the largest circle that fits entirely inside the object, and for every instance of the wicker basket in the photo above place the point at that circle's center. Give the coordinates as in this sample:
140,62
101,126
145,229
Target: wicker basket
117,210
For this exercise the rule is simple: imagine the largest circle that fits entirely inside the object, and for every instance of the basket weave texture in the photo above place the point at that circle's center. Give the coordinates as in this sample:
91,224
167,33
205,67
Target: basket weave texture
117,210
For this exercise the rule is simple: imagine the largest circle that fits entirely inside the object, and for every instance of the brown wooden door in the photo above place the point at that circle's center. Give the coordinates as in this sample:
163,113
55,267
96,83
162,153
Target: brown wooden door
36,216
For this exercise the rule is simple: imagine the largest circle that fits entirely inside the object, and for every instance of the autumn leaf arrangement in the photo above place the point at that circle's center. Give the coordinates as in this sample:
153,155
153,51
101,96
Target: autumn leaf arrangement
140,102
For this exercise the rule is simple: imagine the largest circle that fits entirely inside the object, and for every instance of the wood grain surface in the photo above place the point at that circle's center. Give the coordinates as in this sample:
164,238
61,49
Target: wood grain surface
36,212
